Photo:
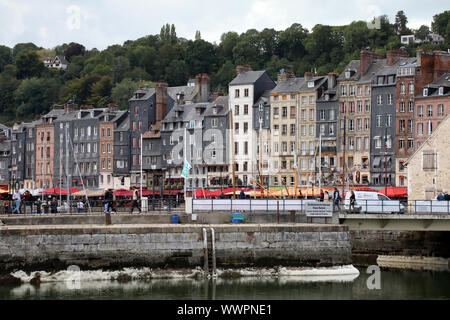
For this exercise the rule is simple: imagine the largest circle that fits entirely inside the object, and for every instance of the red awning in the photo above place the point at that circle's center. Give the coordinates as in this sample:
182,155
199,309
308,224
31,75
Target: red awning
123,193
58,191
362,189
395,192
171,192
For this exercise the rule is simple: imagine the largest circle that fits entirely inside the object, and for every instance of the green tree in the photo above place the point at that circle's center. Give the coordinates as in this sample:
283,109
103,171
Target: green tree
224,76
120,68
22,48
400,23
5,57
291,42
441,24
74,49
177,73
100,90
355,36
422,33
8,84
225,50
143,57
122,92
35,96
200,57
29,65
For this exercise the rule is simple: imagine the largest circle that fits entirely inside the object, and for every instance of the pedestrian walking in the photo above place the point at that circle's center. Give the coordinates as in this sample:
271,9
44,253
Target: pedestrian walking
17,202
80,206
322,195
336,199
54,206
242,195
38,206
110,198
326,197
352,202
135,202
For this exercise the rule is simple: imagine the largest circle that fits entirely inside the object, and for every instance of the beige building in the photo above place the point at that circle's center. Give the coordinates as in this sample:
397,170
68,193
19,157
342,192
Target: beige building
311,90
429,167
284,103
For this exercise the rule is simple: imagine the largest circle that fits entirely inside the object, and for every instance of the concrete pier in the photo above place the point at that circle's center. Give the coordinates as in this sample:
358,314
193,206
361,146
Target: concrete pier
98,246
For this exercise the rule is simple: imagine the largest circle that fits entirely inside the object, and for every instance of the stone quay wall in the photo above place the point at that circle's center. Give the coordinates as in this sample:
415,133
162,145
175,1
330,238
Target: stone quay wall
117,246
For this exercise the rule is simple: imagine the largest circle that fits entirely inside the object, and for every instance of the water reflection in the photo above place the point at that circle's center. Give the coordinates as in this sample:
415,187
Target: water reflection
395,284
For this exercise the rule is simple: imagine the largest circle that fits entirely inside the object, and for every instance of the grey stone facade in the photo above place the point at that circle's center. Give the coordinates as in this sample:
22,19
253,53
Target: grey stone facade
383,122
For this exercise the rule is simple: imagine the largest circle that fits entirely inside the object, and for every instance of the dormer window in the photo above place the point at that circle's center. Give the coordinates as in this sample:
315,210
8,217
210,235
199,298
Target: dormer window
347,74
214,110
425,92
310,84
261,107
327,97
441,91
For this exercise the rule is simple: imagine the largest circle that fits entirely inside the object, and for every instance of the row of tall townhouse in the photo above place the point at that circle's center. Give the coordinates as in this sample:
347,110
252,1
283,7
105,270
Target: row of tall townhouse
364,122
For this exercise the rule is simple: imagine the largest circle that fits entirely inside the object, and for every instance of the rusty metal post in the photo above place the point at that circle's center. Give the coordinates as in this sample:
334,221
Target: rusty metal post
278,212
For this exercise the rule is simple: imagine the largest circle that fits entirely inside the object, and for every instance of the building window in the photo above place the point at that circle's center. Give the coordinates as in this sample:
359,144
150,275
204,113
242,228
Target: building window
410,126
343,90
236,93
245,127
379,119
351,125
401,144
430,110
332,114
389,120
275,112
411,88
378,142
410,144
440,110
245,92
379,99
402,106
284,112
284,129
322,114
402,125
402,88
246,109
236,128
429,160
420,111
236,110
420,128
236,148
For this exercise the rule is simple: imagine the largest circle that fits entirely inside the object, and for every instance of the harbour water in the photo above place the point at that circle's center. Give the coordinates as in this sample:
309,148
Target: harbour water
395,284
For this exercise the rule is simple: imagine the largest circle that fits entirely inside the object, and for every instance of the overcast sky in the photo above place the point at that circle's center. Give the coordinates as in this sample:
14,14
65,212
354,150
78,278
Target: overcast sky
100,23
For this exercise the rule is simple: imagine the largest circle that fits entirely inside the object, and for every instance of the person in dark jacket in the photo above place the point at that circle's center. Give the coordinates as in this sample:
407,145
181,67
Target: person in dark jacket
54,206
336,199
242,195
352,201
322,195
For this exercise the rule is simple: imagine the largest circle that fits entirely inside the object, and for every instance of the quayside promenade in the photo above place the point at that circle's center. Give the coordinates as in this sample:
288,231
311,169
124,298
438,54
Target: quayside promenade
55,247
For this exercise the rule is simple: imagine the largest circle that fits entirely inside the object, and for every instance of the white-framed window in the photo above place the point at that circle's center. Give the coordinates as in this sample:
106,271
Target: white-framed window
378,142
379,99
411,88
440,110
379,119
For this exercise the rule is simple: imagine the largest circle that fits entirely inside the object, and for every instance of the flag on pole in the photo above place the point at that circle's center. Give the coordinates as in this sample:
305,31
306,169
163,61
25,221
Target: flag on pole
186,168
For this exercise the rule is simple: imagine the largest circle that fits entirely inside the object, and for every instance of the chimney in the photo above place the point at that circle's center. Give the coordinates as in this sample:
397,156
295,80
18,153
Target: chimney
243,68
161,100
180,97
308,76
332,80
284,75
367,57
217,94
394,55
68,107
205,88
112,107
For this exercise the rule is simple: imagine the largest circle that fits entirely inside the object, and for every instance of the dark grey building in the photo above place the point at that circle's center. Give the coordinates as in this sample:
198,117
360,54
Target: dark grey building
5,160
382,146
327,108
122,150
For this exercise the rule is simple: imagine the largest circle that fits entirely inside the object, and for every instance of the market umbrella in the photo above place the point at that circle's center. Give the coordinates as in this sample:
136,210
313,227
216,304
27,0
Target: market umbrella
395,192
57,191
89,193
123,193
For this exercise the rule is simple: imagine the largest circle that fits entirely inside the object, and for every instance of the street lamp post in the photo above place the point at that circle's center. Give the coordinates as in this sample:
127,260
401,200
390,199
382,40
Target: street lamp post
169,162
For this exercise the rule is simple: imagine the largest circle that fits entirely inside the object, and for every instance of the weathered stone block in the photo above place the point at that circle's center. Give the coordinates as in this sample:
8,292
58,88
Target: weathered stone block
324,236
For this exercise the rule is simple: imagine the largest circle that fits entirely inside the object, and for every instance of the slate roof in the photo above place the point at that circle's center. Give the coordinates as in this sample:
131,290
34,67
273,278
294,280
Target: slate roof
433,88
352,65
318,81
247,77
289,86
376,66
223,107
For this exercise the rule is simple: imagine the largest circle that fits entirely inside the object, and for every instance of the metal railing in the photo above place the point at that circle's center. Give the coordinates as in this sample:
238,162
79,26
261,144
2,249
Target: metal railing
95,207
287,205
